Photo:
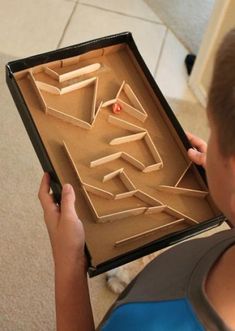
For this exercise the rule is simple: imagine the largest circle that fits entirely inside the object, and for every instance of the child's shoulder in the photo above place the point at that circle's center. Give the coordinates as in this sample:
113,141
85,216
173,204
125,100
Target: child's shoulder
220,286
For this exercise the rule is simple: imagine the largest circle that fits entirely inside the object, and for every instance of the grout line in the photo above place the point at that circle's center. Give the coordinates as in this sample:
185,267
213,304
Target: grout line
67,24
120,13
160,53
178,38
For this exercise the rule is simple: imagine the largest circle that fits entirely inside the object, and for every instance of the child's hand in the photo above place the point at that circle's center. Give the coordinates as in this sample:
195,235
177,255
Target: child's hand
65,229
198,153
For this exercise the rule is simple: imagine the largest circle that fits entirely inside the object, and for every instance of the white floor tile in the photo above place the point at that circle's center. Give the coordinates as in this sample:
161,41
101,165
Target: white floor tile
88,23
137,8
171,75
30,27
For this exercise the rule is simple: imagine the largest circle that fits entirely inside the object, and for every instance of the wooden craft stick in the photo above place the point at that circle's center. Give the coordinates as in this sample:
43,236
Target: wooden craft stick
105,159
120,90
22,74
68,118
127,157
94,100
123,177
114,216
113,174
140,133
126,181
173,212
183,174
48,87
183,191
153,167
99,192
79,72
115,156
108,103
54,65
147,198
124,124
96,114
37,91
55,90
70,61
50,72
72,161
146,233
124,195
155,210
131,110
122,214
127,139
134,100
153,148
77,85
92,207
41,68
36,70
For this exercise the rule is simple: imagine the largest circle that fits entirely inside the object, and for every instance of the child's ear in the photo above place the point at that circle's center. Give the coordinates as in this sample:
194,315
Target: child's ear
232,164
232,205
232,199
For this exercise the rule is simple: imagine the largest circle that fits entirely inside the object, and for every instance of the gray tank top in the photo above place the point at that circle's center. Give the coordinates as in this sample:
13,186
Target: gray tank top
180,272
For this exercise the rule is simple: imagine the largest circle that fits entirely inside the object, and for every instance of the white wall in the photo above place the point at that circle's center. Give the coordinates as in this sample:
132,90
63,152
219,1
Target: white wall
186,18
222,20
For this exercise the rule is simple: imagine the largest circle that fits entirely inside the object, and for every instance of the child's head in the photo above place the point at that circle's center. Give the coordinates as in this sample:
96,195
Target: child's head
221,114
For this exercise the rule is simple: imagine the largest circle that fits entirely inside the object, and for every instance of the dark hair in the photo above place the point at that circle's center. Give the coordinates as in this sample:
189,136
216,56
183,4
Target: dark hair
221,98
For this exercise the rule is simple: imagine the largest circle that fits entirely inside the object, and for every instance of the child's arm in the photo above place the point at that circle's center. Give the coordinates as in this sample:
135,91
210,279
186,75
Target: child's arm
198,153
73,308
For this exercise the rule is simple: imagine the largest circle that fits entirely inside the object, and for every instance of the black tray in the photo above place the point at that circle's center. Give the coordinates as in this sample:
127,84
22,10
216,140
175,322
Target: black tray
126,37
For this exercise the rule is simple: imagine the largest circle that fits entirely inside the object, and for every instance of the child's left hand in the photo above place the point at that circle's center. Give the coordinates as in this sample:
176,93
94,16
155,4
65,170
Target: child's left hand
197,154
64,227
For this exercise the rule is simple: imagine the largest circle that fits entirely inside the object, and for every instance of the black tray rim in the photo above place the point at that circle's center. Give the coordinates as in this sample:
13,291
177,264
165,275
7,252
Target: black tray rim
78,49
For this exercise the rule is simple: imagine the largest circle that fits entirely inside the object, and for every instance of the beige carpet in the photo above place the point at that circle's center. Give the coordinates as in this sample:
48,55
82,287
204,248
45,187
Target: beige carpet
188,19
26,278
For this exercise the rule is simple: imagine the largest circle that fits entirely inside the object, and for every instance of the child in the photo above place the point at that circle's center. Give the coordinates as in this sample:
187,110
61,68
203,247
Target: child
189,287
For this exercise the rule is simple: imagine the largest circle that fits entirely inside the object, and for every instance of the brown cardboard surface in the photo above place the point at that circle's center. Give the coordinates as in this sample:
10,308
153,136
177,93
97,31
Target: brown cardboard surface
107,239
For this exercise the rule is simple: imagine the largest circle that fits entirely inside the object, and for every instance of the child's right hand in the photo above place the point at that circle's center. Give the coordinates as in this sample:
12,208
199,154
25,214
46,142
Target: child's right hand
64,227
197,154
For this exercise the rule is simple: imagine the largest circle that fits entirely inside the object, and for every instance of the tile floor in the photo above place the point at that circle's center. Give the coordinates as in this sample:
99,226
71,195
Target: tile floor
31,27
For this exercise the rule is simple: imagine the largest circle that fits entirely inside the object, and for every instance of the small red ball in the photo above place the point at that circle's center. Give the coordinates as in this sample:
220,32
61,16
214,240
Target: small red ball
117,108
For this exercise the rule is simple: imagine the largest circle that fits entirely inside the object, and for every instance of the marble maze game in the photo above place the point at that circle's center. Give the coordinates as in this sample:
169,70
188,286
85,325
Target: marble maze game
107,134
